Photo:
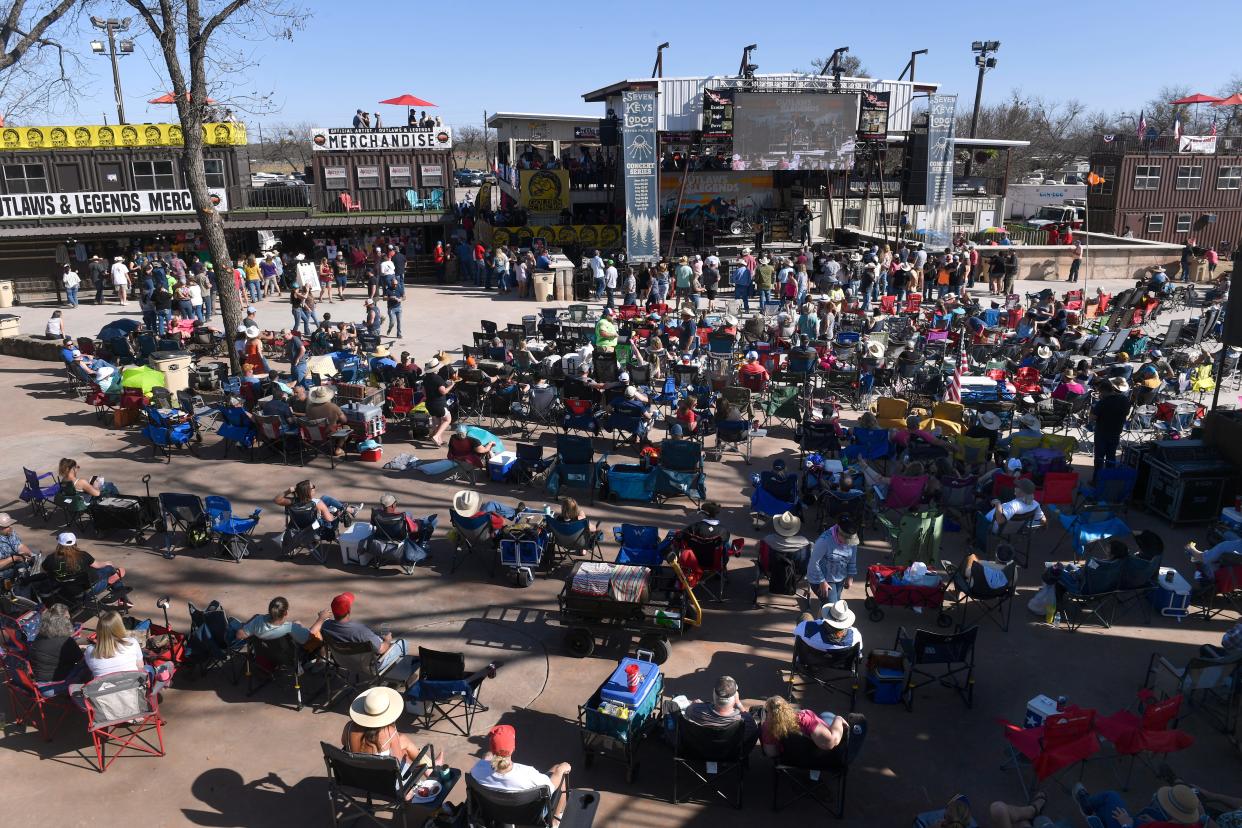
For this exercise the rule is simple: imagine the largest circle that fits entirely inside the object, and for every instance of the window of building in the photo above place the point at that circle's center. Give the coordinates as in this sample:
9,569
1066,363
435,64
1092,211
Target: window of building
851,217
335,178
1147,177
431,175
1189,177
215,172
368,178
1229,178
964,219
154,175
1183,223
25,178
1105,187
1155,222
400,176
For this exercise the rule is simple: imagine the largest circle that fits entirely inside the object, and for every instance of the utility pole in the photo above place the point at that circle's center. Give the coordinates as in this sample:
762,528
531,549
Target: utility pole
910,66
982,49
111,26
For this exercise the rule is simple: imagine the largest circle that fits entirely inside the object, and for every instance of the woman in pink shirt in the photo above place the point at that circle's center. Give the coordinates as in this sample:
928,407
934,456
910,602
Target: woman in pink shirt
781,720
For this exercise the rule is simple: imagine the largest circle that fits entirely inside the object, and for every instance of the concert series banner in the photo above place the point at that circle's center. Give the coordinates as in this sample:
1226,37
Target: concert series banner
642,183
118,203
385,138
603,236
942,114
1205,144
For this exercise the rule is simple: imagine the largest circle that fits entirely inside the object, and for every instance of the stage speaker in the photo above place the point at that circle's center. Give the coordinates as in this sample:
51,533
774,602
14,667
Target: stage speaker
609,132
914,178
1231,333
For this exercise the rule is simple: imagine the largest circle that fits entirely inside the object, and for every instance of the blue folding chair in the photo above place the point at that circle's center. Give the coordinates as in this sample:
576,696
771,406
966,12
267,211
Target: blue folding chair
868,444
36,495
680,473
776,492
570,537
167,433
641,545
575,465
1113,487
234,536
472,534
236,428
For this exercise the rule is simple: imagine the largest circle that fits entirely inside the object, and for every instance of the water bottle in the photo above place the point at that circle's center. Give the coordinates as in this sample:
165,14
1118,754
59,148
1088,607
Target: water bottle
1057,620
547,510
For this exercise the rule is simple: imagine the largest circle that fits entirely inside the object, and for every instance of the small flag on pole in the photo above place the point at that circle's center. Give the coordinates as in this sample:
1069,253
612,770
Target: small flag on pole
1177,127
954,392
1213,132
1142,124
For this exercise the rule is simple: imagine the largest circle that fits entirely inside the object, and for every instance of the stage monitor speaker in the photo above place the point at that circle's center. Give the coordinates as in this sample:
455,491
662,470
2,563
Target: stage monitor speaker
609,134
914,181
1231,333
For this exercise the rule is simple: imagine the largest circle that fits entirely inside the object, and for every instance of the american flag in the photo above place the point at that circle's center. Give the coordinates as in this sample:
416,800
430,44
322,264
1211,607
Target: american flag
1142,124
954,394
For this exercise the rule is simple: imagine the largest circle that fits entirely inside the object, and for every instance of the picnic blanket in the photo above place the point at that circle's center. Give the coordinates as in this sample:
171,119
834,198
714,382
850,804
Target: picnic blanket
592,578
629,583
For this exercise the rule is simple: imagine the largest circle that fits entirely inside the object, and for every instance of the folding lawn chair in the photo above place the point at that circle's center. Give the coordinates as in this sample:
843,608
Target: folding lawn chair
832,670
712,756
43,705
1144,735
233,535
1210,687
641,545
446,692
996,604
471,535
183,513
368,785
575,465
680,473
733,437
278,437
572,537
121,710
707,566
302,533
1064,741
954,652
1096,592
815,773
38,495
212,640
269,659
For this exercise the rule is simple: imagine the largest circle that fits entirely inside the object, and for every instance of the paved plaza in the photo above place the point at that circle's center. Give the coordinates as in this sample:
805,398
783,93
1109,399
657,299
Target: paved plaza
235,760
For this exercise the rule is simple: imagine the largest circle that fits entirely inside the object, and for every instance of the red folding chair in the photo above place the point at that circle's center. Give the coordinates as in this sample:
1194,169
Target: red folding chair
43,705
122,711
705,561
1064,740
626,312
914,303
1059,488
351,206
888,305
400,402
1026,381
1142,737
1073,300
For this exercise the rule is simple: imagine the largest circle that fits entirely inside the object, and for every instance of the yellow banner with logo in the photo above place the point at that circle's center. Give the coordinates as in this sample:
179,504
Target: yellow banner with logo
544,191
110,137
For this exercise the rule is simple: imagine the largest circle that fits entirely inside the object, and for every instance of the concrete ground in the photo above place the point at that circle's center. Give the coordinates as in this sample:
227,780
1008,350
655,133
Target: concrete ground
235,760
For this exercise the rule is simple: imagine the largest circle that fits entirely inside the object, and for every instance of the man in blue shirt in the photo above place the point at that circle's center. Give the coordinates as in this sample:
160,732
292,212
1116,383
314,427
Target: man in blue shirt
394,295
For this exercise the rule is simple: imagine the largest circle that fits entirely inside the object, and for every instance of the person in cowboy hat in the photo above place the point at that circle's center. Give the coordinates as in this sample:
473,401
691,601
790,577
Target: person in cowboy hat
320,406
372,729
986,427
13,553
468,503
1109,416
1171,805
1027,425
497,771
833,630
787,541
382,362
834,561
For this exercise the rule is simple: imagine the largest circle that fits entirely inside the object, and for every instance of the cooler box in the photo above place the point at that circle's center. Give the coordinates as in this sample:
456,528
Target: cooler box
498,467
366,421
372,455
617,688
6,293
175,366
1171,597
886,676
1038,709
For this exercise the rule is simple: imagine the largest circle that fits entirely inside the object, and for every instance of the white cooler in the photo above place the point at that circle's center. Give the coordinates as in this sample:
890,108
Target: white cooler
1038,709
1171,597
350,539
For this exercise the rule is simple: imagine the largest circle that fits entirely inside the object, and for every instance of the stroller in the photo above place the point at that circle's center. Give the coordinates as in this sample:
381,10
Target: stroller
886,587
776,492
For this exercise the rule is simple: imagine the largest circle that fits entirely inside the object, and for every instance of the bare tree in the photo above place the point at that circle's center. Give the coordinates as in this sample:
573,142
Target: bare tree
851,66
1059,132
184,30
286,144
36,70
469,141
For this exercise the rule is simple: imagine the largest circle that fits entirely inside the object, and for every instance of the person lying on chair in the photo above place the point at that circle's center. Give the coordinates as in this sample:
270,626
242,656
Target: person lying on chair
987,576
468,504
498,771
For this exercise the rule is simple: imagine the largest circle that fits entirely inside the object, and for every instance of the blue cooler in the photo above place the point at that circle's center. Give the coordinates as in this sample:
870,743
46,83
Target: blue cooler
617,688
498,467
886,676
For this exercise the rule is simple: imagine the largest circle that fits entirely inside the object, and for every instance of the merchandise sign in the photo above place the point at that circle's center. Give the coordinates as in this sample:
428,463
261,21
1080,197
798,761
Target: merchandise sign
942,115
638,149
385,138
873,116
117,203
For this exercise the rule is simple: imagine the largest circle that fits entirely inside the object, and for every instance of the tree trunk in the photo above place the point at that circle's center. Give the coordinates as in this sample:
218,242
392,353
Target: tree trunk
213,229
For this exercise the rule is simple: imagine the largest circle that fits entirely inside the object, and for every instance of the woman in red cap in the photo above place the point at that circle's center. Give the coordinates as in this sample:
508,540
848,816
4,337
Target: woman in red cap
498,771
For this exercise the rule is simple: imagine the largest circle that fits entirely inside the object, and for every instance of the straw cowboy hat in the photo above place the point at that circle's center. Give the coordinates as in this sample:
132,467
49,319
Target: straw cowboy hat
320,394
381,351
1043,352
875,350
1120,383
376,707
837,615
855,257
990,421
301,257
1029,421
1180,804
466,503
787,524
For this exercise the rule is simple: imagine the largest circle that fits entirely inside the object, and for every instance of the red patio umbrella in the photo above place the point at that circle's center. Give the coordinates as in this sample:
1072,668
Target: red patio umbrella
407,100
1233,100
1197,98
169,97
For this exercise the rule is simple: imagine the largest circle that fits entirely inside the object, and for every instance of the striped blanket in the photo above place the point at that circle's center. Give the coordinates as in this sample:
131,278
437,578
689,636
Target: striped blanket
592,578
629,583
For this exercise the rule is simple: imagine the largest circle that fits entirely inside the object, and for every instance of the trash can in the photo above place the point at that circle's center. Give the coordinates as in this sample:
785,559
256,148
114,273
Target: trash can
6,293
541,286
175,366
10,325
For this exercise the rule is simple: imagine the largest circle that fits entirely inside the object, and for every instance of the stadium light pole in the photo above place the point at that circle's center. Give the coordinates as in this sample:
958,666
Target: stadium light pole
983,49
747,69
910,66
111,26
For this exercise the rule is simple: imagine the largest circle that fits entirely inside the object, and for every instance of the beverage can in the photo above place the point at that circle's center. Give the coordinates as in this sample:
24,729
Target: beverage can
1168,576
1062,701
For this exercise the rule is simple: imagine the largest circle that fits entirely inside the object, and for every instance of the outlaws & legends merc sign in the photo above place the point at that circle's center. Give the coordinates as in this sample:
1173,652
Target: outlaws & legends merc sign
386,138
119,203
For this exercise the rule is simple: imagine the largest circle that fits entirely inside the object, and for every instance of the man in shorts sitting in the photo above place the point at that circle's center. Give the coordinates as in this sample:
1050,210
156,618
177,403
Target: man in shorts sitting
724,710
497,771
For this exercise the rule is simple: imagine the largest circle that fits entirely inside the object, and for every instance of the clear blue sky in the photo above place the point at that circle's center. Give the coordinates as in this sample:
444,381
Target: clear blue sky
524,57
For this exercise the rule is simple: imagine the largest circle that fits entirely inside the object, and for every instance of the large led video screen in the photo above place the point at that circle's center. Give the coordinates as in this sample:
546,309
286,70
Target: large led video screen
794,131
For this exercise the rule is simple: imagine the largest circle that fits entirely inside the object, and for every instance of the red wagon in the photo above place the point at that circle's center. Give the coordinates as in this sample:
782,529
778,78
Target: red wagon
884,590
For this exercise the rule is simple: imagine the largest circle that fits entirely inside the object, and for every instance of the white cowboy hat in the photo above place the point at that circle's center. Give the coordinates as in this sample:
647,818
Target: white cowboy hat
320,394
376,707
855,257
381,351
990,421
906,266
1120,384
730,321
301,257
787,524
837,615
466,503
1043,352
875,350
745,251
431,365
1030,421
251,332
